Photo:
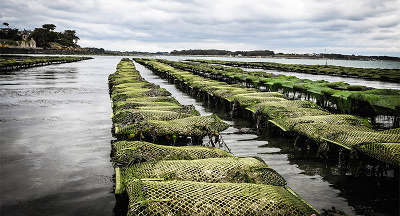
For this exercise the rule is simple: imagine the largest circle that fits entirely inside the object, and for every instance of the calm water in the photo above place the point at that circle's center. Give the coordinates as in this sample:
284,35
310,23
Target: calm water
55,133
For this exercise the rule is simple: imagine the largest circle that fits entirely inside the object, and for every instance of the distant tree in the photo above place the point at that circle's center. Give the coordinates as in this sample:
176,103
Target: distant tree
71,35
6,24
40,35
49,27
68,38
44,37
223,52
10,34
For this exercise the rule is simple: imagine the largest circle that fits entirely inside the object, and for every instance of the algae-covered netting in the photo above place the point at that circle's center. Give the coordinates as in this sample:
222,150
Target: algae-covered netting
276,108
196,126
389,152
143,110
139,151
346,130
227,169
350,132
150,197
256,97
347,98
384,151
130,116
298,116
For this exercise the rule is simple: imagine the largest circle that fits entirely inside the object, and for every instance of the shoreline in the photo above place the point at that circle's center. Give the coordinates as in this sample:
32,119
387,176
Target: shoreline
99,52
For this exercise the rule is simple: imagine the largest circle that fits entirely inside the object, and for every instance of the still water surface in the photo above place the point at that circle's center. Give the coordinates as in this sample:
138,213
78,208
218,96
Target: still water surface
55,134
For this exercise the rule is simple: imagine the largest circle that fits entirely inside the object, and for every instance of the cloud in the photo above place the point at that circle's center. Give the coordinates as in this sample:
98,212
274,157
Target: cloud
353,26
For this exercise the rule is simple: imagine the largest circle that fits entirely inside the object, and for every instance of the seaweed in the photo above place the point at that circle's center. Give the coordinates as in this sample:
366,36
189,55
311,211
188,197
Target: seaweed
300,117
13,62
366,73
348,99
155,177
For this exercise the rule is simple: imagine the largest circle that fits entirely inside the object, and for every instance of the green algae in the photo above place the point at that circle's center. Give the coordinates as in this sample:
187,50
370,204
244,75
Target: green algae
351,99
392,75
303,118
138,114
14,62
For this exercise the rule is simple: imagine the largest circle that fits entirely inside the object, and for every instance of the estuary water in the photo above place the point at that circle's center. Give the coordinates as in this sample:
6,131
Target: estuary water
55,134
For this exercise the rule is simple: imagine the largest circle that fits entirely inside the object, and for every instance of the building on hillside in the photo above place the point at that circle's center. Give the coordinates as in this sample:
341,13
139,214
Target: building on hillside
13,38
26,42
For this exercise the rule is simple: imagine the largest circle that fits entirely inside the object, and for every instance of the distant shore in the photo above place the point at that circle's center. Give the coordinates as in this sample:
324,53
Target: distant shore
102,52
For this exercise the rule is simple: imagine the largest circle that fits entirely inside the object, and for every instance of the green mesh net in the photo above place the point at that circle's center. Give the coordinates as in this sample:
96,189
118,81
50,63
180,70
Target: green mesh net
228,169
126,116
151,197
297,116
276,109
142,111
145,111
389,152
345,130
196,126
138,151
257,97
229,93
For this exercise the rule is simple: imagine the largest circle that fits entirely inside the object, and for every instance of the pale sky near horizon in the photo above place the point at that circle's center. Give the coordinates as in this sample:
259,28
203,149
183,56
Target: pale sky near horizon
361,27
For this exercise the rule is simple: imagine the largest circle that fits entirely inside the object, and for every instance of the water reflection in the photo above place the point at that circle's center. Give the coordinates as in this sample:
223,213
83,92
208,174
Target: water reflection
55,140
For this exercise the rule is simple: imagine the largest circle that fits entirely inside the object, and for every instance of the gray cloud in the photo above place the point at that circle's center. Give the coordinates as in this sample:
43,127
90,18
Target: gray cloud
352,26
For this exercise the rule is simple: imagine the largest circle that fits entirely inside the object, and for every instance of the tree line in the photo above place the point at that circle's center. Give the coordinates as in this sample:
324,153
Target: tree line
43,36
223,52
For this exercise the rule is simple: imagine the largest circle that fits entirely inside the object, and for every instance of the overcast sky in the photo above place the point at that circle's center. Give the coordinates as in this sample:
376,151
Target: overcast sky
368,27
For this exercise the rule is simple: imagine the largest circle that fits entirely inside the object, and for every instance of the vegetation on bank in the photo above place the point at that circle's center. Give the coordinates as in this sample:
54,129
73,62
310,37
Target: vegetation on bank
223,52
294,116
44,37
339,96
269,53
388,75
14,62
336,56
